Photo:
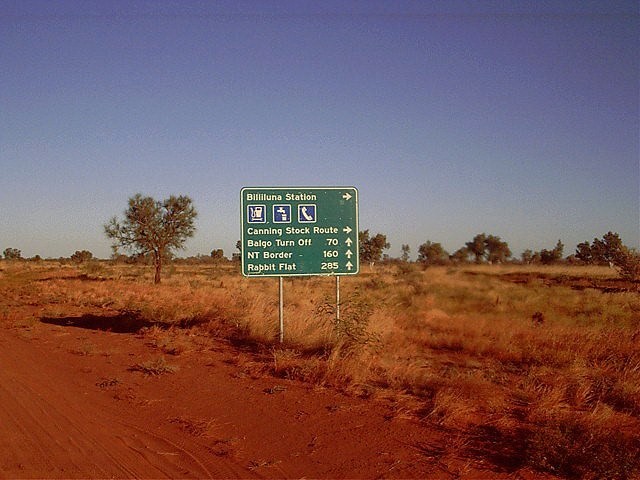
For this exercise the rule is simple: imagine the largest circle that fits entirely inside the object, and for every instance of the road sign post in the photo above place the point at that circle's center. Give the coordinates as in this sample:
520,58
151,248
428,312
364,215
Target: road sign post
292,231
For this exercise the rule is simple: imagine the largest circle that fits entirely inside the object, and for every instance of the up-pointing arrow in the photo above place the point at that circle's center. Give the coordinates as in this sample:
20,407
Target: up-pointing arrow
348,241
349,265
347,196
347,229
348,253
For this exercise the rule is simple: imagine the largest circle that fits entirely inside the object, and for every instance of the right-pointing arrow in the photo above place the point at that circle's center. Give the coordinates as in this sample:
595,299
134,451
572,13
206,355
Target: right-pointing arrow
347,196
347,229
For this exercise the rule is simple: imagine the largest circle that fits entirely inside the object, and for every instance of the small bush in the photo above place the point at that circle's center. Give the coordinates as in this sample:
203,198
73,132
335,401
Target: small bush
352,332
155,367
93,267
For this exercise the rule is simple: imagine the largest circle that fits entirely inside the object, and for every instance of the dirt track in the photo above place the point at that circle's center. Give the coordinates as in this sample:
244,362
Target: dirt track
72,407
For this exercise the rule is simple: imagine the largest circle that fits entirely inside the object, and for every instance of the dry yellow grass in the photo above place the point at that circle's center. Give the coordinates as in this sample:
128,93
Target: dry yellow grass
543,358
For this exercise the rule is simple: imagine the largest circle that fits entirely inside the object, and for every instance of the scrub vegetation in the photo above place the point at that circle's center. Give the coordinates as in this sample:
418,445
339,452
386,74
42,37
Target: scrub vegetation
524,366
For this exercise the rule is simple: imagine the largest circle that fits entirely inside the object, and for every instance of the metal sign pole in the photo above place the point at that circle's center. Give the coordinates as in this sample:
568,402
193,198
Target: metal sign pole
281,312
337,299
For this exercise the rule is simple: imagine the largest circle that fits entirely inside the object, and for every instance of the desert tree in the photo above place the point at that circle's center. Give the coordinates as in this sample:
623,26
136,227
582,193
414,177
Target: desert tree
610,250
476,247
237,256
628,264
371,248
552,256
152,227
432,253
497,251
12,254
488,247
527,256
217,254
406,252
602,251
460,256
81,256
583,252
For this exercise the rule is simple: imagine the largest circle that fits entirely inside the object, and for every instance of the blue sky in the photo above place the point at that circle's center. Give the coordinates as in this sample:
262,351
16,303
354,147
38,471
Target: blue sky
518,119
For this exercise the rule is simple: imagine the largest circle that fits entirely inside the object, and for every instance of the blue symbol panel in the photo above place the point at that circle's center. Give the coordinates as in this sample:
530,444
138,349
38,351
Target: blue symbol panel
307,213
282,214
256,213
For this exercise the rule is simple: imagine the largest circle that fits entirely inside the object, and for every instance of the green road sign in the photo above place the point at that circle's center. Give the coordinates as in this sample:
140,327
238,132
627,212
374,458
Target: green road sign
299,231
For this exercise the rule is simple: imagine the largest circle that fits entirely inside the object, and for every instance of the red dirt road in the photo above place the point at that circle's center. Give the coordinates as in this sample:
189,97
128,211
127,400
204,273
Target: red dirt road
71,406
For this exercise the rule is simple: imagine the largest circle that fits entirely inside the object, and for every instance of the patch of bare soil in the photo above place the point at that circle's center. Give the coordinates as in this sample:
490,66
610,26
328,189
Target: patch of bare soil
87,396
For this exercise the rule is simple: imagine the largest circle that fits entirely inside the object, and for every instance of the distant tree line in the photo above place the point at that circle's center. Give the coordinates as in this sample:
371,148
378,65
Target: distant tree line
152,230
483,248
610,250
491,249
85,256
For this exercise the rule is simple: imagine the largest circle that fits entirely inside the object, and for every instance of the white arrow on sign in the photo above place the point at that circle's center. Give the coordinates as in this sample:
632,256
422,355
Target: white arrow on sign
347,196
349,265
348,241
348,253
347,229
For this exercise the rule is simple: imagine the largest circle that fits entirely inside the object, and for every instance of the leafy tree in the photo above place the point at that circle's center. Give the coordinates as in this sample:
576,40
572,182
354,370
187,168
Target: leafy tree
406,251
546,256
497,251
488,247
558,250
477,246
81,256
217,254
608,249
153,227
552,256
371,247
628,261
601,251
237,256
430,253
527,256
460,256
12,254
583,252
